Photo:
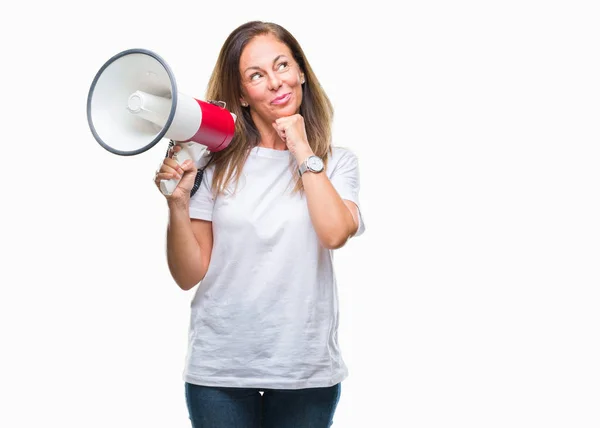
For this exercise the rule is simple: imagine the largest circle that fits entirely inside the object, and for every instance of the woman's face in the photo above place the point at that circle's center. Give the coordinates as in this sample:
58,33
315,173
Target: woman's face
271,79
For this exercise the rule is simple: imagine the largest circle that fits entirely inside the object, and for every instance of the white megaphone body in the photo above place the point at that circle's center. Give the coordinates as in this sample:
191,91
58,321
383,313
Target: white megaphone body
134,103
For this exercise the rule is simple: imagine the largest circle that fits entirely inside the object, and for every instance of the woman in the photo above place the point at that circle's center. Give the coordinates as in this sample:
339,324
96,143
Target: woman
258,236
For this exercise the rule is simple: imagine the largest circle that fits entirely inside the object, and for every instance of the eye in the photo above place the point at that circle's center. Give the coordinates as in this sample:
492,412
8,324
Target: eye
254,76
282,65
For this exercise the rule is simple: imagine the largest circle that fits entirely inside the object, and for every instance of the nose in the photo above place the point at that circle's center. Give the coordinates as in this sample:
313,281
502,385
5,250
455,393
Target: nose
274,82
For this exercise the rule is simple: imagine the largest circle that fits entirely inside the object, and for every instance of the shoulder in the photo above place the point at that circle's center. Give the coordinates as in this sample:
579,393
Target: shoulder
342,156
340,152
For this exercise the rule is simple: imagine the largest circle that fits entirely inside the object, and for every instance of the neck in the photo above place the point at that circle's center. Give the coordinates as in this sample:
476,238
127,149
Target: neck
272,142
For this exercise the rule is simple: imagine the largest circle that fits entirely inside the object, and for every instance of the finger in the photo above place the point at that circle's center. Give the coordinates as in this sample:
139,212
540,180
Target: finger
173,151
171,164
279,129
283,130
179,170
164,176
175,172
169,173
188,165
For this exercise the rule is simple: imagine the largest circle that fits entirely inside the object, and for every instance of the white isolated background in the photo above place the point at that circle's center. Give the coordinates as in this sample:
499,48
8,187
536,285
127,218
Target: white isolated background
471,300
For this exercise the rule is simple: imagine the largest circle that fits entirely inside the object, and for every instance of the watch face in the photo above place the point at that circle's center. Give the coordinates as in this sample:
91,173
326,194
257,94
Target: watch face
314,163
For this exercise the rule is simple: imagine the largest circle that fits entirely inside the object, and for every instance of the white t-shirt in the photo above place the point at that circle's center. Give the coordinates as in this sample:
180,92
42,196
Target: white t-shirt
266,313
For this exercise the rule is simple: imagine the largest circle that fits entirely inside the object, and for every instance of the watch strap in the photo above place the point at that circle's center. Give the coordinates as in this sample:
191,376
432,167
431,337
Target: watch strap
302,168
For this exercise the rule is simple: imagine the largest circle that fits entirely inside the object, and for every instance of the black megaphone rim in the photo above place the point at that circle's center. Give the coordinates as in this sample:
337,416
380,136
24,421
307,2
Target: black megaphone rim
165,128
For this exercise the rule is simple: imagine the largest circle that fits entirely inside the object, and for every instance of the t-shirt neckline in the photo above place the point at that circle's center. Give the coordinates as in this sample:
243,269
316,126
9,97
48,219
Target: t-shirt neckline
269,153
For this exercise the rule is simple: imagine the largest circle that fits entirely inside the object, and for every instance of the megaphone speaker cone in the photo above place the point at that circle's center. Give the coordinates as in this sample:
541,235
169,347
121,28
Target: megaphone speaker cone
125,83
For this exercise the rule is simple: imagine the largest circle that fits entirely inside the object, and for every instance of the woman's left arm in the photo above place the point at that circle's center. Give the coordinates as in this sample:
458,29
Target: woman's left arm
335,219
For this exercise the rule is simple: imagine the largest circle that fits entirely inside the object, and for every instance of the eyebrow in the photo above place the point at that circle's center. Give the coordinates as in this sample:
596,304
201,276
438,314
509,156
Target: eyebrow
258,68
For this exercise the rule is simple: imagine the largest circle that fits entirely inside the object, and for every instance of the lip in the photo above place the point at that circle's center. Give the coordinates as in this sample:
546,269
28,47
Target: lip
282,99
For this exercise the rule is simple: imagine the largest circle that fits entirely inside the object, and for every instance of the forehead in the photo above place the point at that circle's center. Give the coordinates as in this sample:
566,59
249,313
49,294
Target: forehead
262,50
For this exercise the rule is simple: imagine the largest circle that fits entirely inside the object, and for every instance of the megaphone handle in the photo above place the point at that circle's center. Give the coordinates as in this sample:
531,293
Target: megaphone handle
167,187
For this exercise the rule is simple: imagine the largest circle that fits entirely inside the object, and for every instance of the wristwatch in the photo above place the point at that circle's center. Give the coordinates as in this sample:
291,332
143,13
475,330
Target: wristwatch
312,164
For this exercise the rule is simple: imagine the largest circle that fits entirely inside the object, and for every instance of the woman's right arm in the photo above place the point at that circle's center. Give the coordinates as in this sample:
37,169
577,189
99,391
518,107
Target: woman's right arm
189,246
189,241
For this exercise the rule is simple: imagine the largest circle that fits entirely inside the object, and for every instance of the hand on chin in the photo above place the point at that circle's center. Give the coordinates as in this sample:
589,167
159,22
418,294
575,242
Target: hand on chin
292,132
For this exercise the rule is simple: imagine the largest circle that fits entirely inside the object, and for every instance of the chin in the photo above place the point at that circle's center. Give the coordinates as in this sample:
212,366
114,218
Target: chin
290,109
286,111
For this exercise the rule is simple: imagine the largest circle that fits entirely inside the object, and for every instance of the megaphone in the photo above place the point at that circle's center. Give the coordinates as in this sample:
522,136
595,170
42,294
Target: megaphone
133,103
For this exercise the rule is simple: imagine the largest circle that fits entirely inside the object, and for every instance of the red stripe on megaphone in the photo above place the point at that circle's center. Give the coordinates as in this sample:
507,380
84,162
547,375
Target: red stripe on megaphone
216,127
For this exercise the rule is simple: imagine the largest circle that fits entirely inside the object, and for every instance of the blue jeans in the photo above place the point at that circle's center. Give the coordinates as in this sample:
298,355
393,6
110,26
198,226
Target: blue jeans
217,407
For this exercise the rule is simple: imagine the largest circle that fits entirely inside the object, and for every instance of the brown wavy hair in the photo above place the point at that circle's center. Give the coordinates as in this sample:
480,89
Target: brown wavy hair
225,85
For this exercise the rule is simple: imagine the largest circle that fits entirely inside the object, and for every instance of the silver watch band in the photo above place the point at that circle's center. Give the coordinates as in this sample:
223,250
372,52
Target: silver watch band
303,167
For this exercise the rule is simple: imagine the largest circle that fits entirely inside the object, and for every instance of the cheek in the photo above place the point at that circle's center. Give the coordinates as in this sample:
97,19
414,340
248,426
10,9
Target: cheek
256,93
298,84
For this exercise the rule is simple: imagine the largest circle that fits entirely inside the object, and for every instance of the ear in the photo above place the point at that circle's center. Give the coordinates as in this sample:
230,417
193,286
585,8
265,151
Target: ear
244,103
302,78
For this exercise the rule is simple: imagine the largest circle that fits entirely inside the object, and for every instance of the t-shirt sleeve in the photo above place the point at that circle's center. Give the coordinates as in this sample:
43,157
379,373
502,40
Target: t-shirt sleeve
346,180
202,203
